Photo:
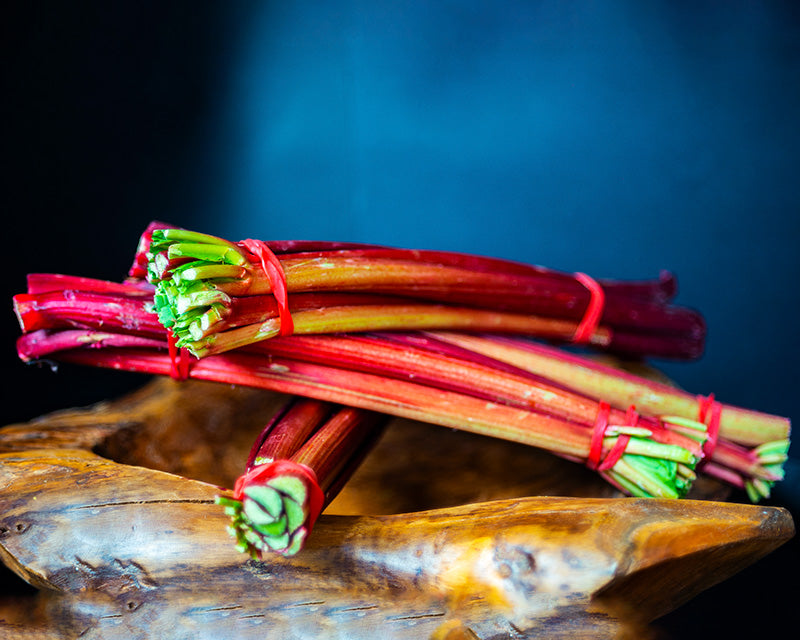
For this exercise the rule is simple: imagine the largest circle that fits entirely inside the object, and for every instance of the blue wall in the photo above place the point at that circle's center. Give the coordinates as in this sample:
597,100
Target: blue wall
612,138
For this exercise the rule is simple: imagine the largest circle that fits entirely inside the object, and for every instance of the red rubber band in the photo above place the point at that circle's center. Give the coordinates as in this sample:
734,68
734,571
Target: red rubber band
598,433
179,361
277,278
711,410
184,364
594,310
601,425
613,456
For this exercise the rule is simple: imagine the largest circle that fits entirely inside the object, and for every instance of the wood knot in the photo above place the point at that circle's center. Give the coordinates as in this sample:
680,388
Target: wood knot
16,528
132,605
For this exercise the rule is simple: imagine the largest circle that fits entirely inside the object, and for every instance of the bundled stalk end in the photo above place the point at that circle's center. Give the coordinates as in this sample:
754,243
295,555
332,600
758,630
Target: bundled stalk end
185,267
648,477
770,458
273,508
277,500
646,468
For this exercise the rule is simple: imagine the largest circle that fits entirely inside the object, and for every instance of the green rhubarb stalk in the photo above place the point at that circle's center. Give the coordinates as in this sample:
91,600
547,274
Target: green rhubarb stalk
195,336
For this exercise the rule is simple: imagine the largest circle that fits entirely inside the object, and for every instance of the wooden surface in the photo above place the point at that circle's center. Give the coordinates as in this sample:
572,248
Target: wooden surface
109,512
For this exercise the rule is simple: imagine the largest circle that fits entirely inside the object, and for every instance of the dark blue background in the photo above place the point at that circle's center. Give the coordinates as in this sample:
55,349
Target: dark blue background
612,138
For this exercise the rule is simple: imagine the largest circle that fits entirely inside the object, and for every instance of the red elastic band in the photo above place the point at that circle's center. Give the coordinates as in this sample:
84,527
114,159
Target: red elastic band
711,410
598,433
179,360
277,279
594,310
613,456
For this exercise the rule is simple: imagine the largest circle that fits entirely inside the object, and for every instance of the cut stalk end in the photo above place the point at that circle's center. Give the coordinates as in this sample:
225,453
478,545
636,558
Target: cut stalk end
273,508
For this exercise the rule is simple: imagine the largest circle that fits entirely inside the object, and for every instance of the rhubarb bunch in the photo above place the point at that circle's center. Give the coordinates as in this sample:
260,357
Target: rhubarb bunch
297,466
748,449
284,317
217,295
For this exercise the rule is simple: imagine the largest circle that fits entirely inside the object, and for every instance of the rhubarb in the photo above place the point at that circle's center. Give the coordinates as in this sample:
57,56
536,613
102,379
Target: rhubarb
413,400
432,362
753,443
336,322
200,280
298,464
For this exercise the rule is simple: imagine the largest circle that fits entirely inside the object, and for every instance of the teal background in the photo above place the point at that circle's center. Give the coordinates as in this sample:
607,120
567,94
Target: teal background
615,138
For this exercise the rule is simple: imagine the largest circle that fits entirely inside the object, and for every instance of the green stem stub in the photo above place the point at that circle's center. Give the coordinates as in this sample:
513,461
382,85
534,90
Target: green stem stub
273,508
187,269
191,244
648,477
